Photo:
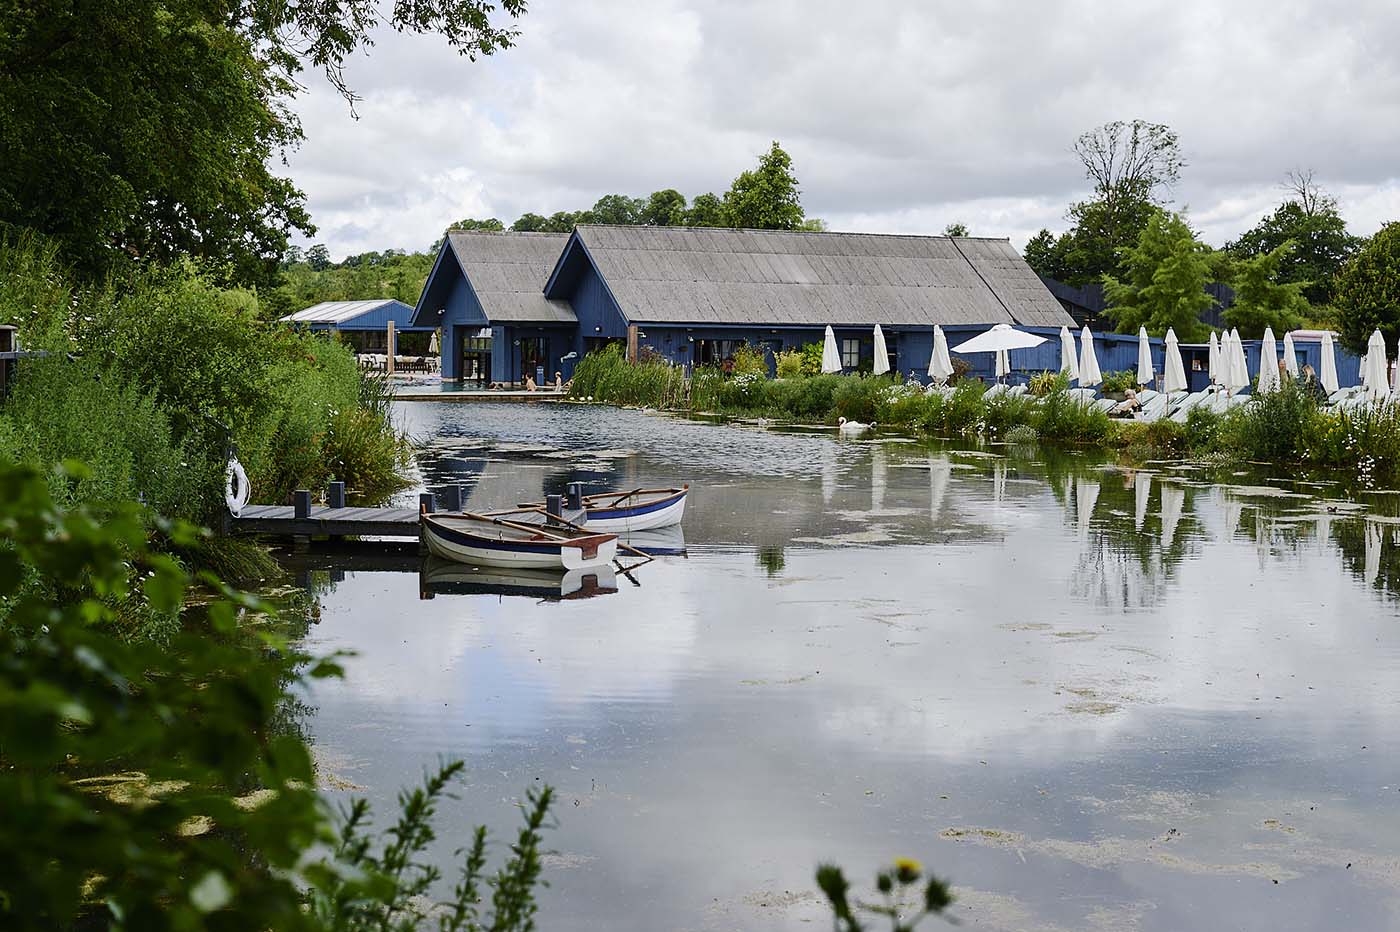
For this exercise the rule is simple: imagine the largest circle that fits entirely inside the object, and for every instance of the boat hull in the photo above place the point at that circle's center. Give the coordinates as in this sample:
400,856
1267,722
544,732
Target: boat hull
453,539
645,517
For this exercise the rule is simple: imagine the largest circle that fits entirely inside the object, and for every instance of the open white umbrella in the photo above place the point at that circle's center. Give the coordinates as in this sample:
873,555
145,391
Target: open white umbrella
831,359
1373,368
1000,339
1145,375
1290,355
1089,374
1213,360
1328,375
882,353
1069,359
1173,372
940,367
1268,363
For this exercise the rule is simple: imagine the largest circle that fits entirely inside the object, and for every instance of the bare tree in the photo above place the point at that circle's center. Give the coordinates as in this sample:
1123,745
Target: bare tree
1137,160
1308,193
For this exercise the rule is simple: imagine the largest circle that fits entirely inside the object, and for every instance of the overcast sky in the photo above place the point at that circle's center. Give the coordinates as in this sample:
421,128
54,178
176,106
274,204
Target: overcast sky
899,116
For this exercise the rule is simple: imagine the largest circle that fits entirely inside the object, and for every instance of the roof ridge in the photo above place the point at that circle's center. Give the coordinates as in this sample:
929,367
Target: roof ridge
687,227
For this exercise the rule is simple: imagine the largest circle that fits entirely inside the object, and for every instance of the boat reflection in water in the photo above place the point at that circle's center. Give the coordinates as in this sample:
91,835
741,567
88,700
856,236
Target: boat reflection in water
657,542
447,577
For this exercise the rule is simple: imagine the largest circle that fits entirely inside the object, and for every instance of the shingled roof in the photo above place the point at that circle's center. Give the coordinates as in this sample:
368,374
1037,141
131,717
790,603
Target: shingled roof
692,275
507,270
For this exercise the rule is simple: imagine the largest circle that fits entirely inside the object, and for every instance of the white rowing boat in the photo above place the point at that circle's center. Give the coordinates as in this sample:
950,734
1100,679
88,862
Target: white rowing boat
496,540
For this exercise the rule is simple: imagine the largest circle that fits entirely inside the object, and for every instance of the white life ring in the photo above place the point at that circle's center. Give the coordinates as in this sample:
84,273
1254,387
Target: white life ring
236,487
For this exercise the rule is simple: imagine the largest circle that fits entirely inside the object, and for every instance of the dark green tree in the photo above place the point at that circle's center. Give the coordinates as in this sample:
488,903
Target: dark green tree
706,210
1263,298
1164,281
617,209
665,208
1368,290
1046,254
145,129
530,223
1309,219
765,198
318,257
956,229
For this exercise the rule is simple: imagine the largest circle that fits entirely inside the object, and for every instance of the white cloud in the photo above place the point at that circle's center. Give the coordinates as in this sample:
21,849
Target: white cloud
899,117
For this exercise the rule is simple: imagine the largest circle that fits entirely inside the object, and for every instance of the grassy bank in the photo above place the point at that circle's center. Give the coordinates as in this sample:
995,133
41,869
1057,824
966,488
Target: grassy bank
1284,428
150,378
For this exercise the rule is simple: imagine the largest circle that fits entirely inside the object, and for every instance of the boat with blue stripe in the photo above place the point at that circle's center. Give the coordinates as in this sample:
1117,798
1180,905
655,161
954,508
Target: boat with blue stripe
623,512
500,540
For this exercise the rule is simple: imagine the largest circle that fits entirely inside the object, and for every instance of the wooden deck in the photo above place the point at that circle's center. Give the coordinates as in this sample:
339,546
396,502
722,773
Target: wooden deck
282,521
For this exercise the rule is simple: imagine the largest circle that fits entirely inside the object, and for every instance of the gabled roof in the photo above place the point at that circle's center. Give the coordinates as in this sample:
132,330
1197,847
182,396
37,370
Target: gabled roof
340,312
709,275
507,271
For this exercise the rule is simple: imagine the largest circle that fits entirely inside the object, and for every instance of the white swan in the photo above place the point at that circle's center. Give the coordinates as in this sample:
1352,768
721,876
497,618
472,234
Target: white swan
852,428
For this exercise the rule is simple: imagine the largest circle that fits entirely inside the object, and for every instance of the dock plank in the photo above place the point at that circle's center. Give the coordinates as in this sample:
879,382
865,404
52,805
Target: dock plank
281,521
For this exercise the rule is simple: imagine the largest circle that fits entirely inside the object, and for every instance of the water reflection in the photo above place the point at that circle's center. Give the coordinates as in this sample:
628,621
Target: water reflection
1040,673
444,577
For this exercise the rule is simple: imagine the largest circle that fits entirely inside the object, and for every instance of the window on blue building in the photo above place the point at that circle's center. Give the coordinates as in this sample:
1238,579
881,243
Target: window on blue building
850,354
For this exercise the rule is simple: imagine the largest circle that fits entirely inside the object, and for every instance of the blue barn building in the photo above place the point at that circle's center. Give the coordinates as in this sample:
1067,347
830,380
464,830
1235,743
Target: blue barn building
512,304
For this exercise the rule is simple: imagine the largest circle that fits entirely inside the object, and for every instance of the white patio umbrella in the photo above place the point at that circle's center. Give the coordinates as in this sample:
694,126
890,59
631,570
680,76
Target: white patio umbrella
1373,368
1268,363
940,367
831,359
1145,375
882,354
1173,372
1239,364
1069,359
1228,370
1290,355
1328,375
1213,360
1089,374
433,344
1003,363
1002,337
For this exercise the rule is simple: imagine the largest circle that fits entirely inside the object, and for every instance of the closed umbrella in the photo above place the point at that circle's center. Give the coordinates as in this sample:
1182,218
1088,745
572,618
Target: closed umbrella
1268,363
882,355
940,367
1239,363
1173,372
1373,368
831,359
1213,360
1328,375
1069,359
1003,363
1089,374
1229,369
1145,375
1290,356
433,344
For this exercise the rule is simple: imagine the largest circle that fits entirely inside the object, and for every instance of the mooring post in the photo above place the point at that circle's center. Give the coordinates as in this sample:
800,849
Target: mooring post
335,495
554,504
301,503
452,498
427,501
575,497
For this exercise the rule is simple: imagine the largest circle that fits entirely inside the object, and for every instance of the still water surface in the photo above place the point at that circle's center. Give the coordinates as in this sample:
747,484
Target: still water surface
1092,698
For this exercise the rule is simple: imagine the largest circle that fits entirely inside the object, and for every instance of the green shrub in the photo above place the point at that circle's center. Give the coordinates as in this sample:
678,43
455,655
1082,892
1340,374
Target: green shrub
1005,412
1119,381
790,364
1063,418
1271,427
1043,383
750,360
63,409
1022,434
958,414
856,396
1202,430
606,375
812,359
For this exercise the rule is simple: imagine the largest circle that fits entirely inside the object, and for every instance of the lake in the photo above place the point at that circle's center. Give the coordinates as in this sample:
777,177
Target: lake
1090,697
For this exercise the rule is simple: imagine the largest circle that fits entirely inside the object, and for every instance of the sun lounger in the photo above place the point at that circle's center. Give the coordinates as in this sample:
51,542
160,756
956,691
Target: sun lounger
994,391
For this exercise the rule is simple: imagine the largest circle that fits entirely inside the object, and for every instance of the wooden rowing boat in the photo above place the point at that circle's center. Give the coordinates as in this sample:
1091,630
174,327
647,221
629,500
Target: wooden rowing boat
625,512
497,540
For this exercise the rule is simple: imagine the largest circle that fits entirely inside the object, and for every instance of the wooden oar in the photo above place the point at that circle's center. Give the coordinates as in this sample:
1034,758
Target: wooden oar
646,557
626,495
519,526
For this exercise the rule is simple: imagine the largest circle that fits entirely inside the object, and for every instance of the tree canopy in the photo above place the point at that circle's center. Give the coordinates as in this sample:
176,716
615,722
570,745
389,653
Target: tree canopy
765,198
144,130
1311,221
1264,298
1368,290
1164,279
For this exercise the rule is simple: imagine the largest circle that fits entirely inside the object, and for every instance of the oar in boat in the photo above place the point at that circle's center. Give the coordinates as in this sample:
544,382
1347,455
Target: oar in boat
625,570
522,526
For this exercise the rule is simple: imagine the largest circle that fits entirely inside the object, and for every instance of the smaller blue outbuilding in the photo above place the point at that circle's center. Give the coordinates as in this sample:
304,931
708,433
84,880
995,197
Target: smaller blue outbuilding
365,324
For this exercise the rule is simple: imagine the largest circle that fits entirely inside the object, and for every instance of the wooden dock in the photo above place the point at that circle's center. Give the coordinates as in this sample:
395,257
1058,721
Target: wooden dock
283,521
303,521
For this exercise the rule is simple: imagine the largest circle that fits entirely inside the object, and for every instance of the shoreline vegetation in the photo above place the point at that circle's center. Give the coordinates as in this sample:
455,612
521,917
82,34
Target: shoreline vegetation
1285,428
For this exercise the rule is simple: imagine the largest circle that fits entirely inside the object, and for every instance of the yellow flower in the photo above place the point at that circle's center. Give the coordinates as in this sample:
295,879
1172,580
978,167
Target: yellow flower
907,870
